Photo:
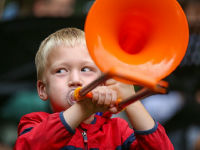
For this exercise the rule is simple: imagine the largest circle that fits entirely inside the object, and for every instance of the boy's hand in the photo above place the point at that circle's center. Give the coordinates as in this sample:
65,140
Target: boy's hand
123,90
104,99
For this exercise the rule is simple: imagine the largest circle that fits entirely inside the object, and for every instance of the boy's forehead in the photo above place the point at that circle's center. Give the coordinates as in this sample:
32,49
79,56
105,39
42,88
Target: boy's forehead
76,51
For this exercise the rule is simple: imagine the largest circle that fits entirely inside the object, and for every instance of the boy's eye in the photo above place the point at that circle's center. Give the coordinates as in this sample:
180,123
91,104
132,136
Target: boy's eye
85,69
61,71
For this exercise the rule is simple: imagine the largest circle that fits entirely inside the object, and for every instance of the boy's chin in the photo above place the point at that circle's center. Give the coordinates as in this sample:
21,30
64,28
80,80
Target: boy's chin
56,109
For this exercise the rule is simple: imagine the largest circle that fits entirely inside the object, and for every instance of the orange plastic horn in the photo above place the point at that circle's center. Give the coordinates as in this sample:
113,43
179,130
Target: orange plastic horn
137,40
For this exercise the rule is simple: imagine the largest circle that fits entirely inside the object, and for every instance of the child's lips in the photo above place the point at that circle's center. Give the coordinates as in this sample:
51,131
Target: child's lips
70,97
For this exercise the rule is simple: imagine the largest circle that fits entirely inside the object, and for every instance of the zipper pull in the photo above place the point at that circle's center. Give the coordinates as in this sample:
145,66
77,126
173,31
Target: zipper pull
85,139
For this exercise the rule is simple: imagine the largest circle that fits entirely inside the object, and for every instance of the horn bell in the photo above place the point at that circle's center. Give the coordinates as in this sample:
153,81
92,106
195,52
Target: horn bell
138,41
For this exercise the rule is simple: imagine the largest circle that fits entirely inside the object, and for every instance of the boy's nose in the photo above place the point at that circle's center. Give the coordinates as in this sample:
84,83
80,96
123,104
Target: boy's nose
73,83
75,79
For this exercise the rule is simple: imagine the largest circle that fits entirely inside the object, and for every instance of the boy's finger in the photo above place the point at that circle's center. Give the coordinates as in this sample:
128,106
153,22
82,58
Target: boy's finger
95,96
110,82
114,98
101,99
113,110
108,98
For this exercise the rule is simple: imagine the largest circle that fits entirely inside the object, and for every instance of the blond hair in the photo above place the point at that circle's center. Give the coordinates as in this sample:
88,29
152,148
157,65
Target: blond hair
67,36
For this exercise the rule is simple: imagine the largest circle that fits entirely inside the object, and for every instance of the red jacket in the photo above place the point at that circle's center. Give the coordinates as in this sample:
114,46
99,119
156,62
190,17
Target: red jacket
43,131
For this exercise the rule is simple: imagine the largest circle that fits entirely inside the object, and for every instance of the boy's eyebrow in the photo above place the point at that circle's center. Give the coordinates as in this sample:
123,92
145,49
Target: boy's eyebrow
59,64
85,62
88,62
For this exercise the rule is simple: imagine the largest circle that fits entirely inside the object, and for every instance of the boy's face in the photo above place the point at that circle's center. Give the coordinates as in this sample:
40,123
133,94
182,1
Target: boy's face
67,68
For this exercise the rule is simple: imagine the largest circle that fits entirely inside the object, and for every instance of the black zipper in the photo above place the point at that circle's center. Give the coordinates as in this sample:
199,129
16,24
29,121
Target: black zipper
85,140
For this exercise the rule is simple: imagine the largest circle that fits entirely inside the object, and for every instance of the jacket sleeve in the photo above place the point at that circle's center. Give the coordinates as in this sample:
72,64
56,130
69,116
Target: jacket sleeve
154,139
42,130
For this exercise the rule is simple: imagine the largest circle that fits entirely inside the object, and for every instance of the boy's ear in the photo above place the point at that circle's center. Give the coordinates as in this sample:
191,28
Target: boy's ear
41,88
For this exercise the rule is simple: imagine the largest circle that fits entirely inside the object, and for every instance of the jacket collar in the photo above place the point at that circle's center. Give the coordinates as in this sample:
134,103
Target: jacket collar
95,125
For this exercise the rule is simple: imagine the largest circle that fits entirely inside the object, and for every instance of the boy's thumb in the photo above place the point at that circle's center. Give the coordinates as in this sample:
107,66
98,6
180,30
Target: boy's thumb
110,82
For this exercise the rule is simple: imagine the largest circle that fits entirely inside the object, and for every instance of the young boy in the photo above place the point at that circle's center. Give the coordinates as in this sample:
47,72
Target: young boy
63,64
